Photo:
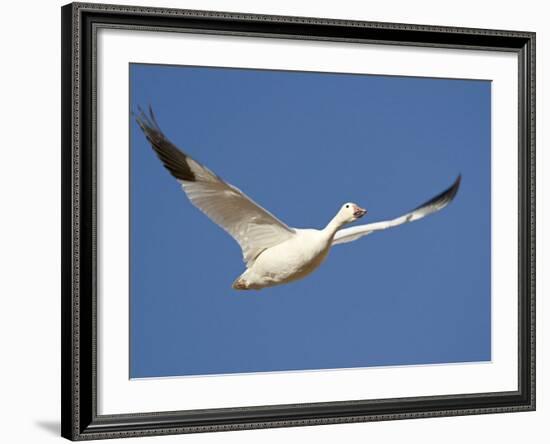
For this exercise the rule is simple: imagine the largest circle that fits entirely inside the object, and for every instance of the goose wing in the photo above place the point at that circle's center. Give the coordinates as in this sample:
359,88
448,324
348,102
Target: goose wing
433,205
254,228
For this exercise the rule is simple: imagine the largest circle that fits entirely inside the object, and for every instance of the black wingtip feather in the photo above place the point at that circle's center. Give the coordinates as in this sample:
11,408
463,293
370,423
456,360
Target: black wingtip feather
450,192
173,159
446,196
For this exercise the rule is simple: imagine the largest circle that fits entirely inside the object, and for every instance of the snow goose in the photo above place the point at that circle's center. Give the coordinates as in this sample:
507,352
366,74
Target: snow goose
273,252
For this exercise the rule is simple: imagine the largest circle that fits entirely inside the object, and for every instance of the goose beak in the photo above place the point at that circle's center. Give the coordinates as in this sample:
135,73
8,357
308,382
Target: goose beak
359,212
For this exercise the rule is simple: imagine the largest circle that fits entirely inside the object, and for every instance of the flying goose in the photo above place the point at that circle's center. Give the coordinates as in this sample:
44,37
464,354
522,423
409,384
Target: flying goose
273,252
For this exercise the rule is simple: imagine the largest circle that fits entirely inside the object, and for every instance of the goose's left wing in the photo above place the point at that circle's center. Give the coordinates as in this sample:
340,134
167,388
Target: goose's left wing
435,204
253,227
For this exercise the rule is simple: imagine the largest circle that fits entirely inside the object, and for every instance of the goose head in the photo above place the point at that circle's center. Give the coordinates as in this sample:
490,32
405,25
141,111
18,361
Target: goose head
350,212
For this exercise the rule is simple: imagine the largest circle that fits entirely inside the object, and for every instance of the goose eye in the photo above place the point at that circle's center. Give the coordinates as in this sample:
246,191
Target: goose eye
347,206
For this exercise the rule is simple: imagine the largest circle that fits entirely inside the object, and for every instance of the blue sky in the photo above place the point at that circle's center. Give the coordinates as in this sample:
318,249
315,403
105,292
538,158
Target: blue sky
301,144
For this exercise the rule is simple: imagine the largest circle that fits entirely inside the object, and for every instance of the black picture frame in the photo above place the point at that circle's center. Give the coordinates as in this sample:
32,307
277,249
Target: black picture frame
79,212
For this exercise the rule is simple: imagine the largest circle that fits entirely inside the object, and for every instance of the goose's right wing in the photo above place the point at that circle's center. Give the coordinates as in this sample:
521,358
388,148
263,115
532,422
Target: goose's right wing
253,227
435,204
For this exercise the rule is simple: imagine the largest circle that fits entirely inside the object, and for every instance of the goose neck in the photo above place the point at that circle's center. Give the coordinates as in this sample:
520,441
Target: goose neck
333,226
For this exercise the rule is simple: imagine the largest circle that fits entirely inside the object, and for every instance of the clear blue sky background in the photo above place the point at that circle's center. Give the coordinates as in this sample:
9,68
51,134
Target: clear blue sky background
301,144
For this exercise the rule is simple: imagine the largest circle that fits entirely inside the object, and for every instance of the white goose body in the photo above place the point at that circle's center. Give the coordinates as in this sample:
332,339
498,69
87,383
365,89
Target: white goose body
273,252
288,261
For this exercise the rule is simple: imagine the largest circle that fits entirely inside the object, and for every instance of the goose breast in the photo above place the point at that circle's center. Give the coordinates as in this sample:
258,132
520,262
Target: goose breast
291,260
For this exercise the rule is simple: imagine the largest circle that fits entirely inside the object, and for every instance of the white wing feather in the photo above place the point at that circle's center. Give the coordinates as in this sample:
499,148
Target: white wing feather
437,203
254,228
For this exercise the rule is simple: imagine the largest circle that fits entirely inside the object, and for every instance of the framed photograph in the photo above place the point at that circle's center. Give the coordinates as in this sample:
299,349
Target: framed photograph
280,221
